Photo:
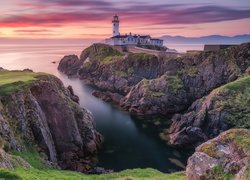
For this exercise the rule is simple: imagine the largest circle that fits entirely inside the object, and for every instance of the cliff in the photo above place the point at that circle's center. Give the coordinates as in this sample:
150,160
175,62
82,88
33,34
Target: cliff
145,84
40,117
225,107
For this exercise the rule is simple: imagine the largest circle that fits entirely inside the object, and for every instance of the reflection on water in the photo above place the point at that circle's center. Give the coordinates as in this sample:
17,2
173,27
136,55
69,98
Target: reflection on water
127,144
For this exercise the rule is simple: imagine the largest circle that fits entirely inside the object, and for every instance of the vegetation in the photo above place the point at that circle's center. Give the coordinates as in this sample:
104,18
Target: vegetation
236,101
133,174
141,56
217,173
210,149
242,139
191,71
157,94
102,53
11,81
32,157
174,83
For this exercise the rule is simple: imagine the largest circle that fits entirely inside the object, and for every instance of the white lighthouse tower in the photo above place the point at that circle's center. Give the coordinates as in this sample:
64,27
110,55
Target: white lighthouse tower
115,26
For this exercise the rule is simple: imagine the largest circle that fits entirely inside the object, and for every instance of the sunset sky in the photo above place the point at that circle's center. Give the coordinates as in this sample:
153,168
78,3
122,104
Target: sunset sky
61,19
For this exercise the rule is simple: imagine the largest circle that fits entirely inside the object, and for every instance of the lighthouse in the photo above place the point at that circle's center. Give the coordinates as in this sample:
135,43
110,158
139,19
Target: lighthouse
115,26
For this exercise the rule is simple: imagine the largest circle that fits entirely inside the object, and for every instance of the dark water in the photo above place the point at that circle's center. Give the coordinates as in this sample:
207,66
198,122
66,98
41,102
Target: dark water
128,142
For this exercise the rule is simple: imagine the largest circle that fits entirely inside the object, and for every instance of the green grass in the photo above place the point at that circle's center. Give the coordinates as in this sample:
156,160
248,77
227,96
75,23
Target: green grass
11,81
111,58
32,157
133,174
102,52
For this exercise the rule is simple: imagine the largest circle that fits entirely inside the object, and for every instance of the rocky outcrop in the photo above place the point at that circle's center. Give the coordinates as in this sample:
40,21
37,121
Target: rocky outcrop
224,157
192,78
48,115
70,65
225,107
181,87
158,85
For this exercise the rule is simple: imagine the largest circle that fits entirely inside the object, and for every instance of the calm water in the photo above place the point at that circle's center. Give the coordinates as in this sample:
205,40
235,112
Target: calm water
128,144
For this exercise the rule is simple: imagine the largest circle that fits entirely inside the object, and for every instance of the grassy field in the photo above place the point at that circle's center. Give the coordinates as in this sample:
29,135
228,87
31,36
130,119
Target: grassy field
11,81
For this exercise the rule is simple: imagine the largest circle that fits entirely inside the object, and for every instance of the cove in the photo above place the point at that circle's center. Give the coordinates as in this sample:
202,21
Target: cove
126,144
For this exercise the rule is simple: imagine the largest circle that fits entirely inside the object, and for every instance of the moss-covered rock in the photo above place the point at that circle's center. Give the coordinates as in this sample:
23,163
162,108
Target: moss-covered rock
224,157
225,107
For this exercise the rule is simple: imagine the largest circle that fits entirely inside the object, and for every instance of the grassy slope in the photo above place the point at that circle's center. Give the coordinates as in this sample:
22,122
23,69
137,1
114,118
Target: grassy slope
60,174
11,81
237,101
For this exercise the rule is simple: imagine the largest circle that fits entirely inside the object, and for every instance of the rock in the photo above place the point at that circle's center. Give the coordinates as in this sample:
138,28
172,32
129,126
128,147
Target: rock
47,114
100,170
70,65
72,95
181,87
227,155
199,164
174,83
194,77
8,161
108,96
223,108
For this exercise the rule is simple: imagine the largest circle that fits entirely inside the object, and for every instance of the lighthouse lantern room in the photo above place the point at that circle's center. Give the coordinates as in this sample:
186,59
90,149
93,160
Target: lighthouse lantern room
115,26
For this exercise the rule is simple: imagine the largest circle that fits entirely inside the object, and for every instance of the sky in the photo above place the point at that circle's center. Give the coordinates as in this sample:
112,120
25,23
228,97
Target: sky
91,19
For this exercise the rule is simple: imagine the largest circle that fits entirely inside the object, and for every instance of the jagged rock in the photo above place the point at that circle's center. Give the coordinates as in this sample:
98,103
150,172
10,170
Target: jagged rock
194,77
172,86
47,114
72,94
224,108
227,155
70,65
174,83
108,96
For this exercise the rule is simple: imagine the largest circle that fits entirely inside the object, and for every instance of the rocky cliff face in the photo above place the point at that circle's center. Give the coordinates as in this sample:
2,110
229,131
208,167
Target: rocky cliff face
47,115
224,157
191,78
225,107
148,85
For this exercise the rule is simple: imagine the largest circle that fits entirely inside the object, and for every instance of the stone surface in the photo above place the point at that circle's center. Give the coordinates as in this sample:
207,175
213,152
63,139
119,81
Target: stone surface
227,155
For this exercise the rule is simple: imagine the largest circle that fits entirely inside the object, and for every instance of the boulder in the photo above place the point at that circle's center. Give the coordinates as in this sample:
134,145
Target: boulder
224,157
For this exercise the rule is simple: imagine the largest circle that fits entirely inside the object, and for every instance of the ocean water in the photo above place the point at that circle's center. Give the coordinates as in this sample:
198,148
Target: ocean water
127,141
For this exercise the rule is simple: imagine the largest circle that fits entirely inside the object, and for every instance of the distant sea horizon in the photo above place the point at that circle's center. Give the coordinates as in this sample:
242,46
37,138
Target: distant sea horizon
182,48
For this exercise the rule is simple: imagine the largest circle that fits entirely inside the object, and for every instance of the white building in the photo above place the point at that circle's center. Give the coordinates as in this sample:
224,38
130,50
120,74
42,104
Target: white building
129,39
